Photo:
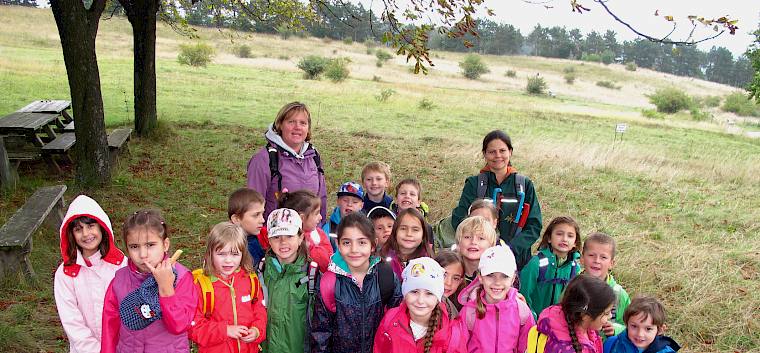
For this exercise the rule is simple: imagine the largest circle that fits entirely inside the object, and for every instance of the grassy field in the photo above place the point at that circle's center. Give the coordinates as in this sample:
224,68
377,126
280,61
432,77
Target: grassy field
681,197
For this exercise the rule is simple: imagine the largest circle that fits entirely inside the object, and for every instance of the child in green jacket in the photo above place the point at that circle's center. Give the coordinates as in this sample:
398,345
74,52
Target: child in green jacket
597,260
546,275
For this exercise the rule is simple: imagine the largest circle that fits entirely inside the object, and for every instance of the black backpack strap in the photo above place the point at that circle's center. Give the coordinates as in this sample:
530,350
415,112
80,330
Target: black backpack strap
385,280
274,165
317,160
482,185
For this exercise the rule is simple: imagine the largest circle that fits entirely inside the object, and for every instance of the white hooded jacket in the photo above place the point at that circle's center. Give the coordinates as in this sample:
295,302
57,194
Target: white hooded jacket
80,284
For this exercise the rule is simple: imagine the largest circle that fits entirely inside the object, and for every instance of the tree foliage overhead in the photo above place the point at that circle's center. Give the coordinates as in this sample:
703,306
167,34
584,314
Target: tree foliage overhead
753,55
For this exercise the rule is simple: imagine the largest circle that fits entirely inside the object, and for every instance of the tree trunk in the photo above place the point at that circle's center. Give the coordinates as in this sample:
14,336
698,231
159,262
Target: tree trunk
78,27
142,15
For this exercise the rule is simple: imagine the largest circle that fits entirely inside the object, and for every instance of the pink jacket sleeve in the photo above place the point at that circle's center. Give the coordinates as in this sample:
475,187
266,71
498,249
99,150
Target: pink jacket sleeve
72,319
178,310
258,172
464,336
322,251
522,341
111,322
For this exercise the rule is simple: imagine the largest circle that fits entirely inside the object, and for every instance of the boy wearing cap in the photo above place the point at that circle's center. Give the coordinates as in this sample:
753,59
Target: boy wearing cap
420,323
376,176
492,313
382,219
350,199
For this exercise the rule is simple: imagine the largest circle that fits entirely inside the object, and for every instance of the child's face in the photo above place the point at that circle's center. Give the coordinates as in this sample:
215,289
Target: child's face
252,219
562,239
420,303
87,237
407,197
597,259
409,234
383,228
472,245
641,330
286,247
596,324
485,213
496,286
355,248
312,219
348,204
226,261
146,246
452,278
375,184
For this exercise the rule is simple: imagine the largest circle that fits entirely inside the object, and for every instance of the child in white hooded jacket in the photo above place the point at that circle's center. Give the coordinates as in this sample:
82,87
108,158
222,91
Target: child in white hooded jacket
90,259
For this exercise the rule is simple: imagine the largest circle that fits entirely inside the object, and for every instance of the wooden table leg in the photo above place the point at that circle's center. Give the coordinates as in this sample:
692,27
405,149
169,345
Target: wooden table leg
7,172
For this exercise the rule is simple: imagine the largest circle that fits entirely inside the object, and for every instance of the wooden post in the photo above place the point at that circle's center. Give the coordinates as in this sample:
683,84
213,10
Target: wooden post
7,172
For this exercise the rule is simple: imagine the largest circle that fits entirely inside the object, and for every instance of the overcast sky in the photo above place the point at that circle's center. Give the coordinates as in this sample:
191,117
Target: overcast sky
638,13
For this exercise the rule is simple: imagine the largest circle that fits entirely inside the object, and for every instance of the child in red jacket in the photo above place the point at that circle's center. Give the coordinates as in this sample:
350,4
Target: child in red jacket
230,316
421,323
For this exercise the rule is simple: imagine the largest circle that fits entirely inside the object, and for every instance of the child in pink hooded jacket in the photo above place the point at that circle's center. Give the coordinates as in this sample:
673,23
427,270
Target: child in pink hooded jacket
496,319
151,302
90,259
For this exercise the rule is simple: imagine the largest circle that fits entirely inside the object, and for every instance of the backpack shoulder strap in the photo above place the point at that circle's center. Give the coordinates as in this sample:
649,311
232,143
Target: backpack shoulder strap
274,165
327,290
543,264
207,291
482,185
385,281
255,283
317,159
536,341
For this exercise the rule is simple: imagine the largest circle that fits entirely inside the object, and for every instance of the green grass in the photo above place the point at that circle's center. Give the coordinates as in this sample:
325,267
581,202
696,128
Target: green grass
682,198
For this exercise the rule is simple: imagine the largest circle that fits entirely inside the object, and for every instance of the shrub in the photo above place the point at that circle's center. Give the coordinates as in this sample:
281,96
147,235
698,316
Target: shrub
283,57
740,104
570,77
699,115
426,104
312,66
569,69
670,100
284,31
383,55
607,84
473,66
348,40
385,95
196,55
376,78
337,69
243,51
652,114
591,57
711,101
510,73
370,51
631,66
370,43
536,85
607,57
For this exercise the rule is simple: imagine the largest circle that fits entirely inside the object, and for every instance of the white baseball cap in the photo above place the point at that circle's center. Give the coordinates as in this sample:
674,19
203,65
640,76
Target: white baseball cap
283,221
497,259
423,273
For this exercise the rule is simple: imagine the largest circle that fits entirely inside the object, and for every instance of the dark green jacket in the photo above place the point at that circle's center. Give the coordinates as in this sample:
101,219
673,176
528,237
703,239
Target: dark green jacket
521,244
286,306
541,294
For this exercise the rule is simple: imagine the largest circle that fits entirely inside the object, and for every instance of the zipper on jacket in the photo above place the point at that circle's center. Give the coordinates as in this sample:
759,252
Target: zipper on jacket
496,341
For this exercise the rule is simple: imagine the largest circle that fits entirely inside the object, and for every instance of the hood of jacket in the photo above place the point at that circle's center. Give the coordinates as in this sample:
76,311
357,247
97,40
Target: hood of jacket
276,139
84,206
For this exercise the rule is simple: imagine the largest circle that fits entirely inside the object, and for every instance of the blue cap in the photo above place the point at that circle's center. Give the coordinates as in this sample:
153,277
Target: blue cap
350,188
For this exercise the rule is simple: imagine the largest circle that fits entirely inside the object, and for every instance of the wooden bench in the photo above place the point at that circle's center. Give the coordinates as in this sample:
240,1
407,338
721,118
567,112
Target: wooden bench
62,144
45,206
68,127
117,141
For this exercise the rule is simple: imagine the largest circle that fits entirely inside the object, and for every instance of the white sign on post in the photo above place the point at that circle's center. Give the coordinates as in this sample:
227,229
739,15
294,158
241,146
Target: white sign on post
620,128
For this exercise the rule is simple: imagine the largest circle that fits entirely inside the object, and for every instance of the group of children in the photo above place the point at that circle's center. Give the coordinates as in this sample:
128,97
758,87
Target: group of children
370,280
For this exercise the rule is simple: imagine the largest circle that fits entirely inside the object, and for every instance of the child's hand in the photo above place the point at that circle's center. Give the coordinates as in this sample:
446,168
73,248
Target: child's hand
608,329
164,277
236,331
253,334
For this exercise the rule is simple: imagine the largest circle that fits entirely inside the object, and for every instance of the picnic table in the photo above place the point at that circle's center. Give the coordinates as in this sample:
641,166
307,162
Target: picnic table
30,132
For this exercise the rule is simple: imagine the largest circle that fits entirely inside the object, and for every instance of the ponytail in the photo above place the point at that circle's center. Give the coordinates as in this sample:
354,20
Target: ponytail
435,320
571,329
